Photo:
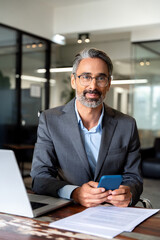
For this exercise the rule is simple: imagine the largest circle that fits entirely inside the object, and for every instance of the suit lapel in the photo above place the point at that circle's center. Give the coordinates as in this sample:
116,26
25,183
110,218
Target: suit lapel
74,134
108,128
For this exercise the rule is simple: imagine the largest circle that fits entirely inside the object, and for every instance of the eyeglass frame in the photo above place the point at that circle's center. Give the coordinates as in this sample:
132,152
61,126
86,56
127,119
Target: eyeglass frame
91,78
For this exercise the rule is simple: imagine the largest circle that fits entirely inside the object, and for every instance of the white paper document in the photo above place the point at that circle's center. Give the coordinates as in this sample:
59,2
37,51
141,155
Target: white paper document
104,221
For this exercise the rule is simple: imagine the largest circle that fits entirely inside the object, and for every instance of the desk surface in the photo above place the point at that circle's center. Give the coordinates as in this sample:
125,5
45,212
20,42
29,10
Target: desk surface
19,146
14,227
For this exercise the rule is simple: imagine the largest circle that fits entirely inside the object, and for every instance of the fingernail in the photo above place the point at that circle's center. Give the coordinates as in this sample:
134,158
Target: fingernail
109,197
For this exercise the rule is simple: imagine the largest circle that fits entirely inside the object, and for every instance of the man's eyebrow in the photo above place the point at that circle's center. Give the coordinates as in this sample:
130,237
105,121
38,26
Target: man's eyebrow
102,74
99,74
86,73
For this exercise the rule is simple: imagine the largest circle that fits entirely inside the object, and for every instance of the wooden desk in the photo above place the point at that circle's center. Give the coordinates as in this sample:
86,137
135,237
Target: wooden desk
14,227
19,146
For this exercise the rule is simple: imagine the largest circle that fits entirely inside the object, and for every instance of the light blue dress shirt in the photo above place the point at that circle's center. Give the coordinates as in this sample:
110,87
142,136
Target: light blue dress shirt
91,140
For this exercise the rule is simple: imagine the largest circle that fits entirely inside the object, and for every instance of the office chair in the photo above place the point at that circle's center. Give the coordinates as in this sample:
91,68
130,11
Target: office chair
145,202
151,160
39,113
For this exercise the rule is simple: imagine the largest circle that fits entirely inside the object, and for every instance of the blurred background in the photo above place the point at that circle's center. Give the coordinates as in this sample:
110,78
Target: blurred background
38,41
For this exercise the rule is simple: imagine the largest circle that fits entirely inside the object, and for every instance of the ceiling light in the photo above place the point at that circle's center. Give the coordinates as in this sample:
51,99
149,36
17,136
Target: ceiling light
37,79
32,78
65,69
144,62
28,46
40,44
34,45
141,63
129,81
79,40
147,62
83,37
60,39
87,40
41,70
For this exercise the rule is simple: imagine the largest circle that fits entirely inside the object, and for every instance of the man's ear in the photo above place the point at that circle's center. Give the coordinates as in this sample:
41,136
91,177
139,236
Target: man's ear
109,83
73,81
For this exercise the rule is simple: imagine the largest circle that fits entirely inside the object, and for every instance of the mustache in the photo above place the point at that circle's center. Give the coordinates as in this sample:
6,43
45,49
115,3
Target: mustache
92,92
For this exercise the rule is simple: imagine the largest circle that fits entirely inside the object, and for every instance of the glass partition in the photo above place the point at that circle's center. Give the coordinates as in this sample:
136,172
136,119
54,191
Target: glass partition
60,90
23,89
8,103
33,83
60,77
7,76
146,98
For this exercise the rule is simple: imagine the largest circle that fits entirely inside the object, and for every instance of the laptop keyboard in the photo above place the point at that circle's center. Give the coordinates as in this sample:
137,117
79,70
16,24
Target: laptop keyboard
36,205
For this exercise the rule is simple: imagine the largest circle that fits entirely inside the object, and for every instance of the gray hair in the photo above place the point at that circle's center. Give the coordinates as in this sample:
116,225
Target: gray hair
92,53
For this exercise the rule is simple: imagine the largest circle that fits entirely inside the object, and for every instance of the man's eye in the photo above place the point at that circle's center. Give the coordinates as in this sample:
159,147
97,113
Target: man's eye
101,78
86,77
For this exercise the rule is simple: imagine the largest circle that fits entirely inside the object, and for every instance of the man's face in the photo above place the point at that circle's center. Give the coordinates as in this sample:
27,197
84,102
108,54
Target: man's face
92,95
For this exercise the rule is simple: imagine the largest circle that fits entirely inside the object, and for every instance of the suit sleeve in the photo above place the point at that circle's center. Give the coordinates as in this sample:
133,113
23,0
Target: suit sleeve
44,172
132,175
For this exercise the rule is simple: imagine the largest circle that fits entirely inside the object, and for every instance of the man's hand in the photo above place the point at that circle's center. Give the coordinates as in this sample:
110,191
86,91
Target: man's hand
120,197
89,195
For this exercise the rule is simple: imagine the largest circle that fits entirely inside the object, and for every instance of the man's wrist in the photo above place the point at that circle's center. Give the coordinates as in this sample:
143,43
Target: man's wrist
66,191
74,194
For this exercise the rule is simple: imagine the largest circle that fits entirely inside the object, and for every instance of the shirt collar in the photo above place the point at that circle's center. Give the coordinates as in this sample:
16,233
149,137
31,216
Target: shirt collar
99,125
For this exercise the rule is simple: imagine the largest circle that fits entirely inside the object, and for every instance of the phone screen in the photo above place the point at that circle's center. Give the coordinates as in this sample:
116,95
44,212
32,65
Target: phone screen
110,182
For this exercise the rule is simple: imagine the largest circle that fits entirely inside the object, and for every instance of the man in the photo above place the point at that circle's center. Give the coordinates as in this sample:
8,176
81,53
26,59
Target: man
85,139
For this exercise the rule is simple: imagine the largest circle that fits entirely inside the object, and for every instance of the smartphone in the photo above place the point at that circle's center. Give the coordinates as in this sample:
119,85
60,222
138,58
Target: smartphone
110,182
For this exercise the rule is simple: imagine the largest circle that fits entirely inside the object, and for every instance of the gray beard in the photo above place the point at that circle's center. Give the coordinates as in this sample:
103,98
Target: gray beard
90,103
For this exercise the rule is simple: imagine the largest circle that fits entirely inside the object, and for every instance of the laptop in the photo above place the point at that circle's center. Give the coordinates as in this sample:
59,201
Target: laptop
13,196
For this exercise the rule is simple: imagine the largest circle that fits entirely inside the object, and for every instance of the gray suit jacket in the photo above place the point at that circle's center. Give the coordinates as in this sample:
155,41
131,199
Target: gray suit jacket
60,158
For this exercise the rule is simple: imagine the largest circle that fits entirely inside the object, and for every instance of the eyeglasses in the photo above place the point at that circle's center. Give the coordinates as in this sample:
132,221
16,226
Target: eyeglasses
85,80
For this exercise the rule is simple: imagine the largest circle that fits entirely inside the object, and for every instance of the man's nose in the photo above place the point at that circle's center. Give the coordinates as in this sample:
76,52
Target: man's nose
93,83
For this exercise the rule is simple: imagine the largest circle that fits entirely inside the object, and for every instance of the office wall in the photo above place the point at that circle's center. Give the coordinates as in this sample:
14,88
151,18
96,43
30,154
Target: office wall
45,18
33,16
110,15
116,49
